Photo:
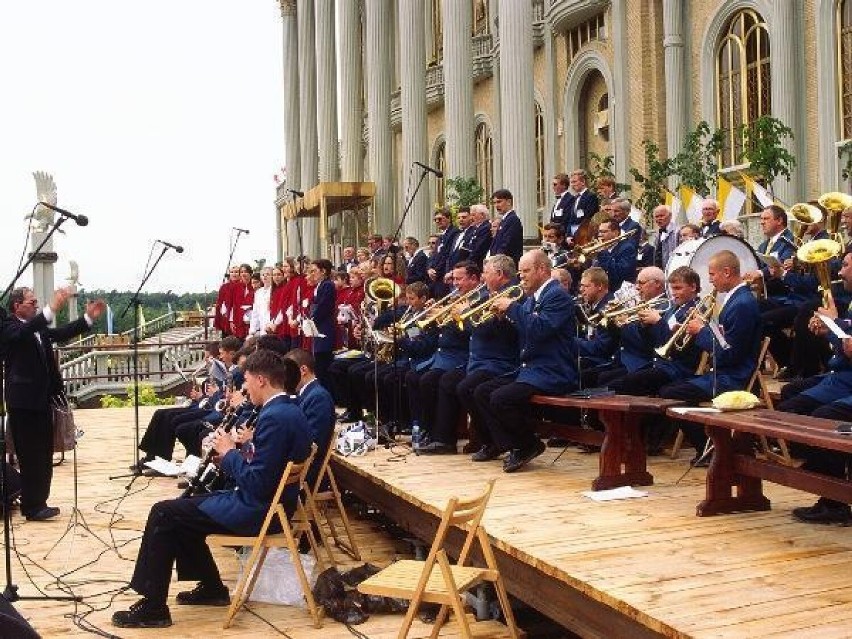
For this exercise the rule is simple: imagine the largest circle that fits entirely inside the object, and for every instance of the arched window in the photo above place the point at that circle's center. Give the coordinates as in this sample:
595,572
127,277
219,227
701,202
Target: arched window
540,181
844,67
480,17
437,32
441,165
484,159
742,79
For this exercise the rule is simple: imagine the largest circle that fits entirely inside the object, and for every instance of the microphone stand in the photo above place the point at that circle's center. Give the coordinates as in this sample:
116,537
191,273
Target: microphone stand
397,391
135,302
10,591
231,254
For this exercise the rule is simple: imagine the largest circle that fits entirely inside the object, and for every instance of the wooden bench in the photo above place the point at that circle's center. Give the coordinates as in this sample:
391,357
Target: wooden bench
734,479
623,459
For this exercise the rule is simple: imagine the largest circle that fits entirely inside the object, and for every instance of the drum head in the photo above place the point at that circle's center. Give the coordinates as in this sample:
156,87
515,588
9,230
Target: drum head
701,258
682,256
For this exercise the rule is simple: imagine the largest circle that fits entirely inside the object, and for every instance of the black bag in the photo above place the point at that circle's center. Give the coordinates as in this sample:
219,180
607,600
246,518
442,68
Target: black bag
64,429
13,486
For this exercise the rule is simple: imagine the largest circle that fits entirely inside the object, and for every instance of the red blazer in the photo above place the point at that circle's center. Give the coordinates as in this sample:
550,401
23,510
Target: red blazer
242,301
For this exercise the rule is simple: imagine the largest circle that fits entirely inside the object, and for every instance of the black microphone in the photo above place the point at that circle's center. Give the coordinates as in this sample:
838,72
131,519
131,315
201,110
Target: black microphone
295,192
241,230
81,220
437,173
177,248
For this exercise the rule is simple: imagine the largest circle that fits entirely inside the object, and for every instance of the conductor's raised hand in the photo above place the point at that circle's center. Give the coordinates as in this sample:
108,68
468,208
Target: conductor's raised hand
95,308
60,296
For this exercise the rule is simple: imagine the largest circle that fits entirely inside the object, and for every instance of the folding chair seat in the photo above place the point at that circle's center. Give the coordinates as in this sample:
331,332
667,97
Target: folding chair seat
324,499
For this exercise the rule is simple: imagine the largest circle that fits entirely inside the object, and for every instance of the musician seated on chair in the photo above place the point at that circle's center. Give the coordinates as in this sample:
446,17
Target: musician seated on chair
176,529
733,362
825,396
595,346
618,261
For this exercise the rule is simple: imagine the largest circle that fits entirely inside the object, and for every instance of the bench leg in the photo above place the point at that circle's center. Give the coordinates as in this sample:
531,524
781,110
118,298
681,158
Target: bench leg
728,491
623,460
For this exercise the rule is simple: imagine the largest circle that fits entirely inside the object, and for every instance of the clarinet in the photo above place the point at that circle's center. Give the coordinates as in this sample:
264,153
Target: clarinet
207,470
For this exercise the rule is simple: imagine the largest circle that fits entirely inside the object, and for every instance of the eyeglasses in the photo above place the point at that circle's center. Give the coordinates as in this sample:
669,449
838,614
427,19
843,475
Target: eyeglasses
432,242
30,303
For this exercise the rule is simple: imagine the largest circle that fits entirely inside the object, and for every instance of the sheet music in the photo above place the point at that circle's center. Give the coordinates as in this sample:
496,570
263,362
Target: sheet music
309,329
832,326
717,333
623,492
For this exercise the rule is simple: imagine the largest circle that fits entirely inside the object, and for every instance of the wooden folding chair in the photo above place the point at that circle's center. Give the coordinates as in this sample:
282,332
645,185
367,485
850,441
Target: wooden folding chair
324,499
289,537
435,580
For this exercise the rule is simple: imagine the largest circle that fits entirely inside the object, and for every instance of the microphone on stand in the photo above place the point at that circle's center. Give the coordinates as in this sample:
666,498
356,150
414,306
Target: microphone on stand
297,193
81,220
240,230
438,174
177,248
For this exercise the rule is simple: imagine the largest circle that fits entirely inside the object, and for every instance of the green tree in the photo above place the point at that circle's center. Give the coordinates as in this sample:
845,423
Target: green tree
697,164
654,182
763,148
845,150
463,191
600,166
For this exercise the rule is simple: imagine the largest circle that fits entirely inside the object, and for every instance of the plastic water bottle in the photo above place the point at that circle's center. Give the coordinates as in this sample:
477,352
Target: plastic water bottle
415,436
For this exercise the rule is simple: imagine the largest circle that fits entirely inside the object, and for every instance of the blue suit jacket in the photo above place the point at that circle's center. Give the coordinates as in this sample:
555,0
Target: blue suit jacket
416,271
636,350
562,208
459,253
619,262
546,329
597,346
509,239
318,406
782,250
324,314
580,210
439,257
628,225
682,363
741,327
476,246
494,347
281,435
452,350
710,230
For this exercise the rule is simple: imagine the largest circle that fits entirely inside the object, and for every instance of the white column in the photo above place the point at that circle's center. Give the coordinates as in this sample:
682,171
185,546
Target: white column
307,119
618,102
291,111
785,36
517,109
412,61
458,88
379,64
351,157
676,107
329,160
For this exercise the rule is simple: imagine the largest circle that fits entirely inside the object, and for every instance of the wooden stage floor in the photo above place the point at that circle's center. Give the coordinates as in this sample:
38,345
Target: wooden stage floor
96,571
633,568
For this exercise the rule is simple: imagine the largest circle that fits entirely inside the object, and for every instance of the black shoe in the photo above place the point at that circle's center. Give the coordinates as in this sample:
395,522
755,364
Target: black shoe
486,453
558,442
437,448
786,374
350,417
48,512
143,614
182,484
518,458
205,595
824,512
589,448
140,467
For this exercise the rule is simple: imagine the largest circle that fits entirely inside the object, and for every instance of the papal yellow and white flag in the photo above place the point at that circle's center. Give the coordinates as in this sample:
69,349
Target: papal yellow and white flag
763,196
691,204
731,200
674,203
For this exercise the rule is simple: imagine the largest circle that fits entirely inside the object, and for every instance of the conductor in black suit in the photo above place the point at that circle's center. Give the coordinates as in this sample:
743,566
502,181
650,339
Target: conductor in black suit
32,379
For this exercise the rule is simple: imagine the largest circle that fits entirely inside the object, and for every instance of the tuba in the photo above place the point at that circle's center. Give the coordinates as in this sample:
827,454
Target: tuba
834,203
818,254
380,293
805,215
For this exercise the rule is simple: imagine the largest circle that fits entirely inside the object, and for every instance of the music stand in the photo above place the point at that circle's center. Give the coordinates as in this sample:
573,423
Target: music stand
10,591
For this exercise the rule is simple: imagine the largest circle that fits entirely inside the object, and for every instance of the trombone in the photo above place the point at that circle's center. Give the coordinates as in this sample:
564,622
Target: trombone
414,319
443,310
589,250
482,312
680,339
622,316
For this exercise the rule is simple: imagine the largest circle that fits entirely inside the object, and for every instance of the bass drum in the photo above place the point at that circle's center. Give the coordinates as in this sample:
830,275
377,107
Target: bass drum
682,256
700,260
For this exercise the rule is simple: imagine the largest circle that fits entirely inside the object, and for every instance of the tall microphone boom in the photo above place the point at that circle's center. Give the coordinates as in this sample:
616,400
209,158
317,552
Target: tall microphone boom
177,248
437,173
297,193
241,230
81,220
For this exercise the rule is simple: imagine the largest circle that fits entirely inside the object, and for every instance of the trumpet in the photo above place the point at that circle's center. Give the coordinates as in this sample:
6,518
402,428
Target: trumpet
414,319
680,339
589,250
622,316
443,316
482,312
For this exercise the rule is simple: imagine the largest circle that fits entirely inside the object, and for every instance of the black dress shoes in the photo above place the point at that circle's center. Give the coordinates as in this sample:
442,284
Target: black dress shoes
824,511
205,595
143,614
518,458
786,374
486,453
437,448
48,512
350,417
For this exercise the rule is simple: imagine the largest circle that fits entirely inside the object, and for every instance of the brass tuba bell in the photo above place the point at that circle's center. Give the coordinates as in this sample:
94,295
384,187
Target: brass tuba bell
805,214
834,202
818,254
381,291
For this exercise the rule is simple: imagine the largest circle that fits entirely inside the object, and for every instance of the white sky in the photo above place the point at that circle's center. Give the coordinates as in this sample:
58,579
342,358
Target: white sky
158,120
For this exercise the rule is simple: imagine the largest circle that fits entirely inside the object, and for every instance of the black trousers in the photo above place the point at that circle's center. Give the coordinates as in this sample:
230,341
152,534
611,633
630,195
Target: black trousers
449,407
792,400
191,434
175,535
393,398
159,437
465,391
412,390
809,353
338,372
322,362
693,395
646,382
775,318
32,432
428,390
503,403
359,399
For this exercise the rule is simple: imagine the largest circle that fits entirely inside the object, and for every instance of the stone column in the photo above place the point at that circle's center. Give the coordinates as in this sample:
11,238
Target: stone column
458,88
412,61
351,111
517,110
379,64
291,111
308,157
676,94
329,160
787,63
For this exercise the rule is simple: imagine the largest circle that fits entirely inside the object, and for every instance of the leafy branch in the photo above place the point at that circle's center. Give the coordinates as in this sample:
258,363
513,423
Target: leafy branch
763,148
653,182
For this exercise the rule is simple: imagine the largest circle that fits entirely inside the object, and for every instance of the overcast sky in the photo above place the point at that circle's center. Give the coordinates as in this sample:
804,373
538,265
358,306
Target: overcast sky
158,120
